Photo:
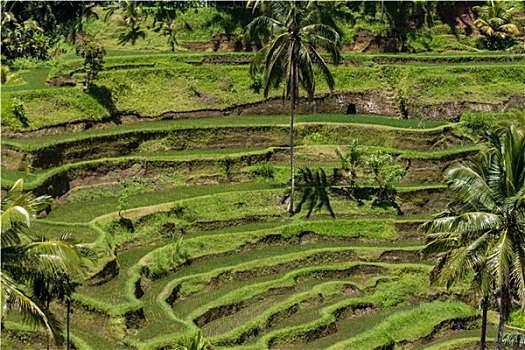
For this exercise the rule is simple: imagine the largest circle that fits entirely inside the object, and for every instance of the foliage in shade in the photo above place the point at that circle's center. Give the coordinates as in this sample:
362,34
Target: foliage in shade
35,271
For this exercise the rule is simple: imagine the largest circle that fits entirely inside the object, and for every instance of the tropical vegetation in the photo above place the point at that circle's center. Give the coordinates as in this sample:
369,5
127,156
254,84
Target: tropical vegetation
481,234
291,54
495,21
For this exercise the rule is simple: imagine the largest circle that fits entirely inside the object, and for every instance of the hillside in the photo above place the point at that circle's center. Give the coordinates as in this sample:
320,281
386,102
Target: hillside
174,170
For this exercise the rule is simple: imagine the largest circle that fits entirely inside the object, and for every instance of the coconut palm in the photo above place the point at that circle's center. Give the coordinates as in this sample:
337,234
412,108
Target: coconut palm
32,267
487,222
456,261
291,54
495,19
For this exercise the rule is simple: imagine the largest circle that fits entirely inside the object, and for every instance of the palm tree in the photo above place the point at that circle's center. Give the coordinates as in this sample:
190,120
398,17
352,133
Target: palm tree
291,54
131,15
488,221
30,266
494,20
455,261
84,11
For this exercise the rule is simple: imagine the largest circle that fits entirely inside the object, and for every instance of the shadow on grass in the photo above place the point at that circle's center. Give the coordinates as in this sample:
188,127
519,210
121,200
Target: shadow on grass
103,96
131,36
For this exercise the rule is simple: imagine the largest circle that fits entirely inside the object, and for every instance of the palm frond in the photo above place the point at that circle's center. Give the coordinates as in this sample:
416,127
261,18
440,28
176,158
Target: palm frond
470,186
324,68
501,257
32,312
320,35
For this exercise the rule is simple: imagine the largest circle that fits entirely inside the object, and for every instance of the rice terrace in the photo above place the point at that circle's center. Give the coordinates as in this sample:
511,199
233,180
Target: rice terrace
263,175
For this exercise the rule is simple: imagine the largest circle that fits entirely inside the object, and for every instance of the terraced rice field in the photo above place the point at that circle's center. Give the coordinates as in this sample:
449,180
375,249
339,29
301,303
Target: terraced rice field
203,241
218,252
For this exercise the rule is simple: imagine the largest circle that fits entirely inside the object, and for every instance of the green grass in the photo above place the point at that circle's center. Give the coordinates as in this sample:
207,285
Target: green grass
51,107
394,328
351,327
228,323
81,234
34,143
10,176
34,79
181,87
90,210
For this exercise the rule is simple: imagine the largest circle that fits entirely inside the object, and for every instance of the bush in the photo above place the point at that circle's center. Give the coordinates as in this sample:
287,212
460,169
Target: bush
517,319
19,112
264,170
480,122
4,70
257,83
27,63
495,44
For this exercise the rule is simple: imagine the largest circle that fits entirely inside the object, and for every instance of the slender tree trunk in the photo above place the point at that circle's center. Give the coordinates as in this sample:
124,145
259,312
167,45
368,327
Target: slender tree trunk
504,303
484,306
68,310
382,11
292,158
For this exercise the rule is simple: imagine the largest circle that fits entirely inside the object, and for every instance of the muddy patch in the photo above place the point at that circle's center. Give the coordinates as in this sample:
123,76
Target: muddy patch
400,256
110,270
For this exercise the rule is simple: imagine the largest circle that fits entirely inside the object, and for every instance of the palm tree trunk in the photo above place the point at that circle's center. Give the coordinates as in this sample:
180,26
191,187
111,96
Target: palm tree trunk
504,299
292,158
484,306
499,341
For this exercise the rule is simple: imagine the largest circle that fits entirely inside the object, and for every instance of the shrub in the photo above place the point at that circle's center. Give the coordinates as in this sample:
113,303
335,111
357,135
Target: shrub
495,44
257,83
264,170
480,122
19,112
316,138
4,70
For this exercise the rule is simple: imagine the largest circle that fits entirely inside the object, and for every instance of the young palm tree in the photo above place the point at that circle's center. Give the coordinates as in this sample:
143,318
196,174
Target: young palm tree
28,263
494,23
291,54
485,231
495,19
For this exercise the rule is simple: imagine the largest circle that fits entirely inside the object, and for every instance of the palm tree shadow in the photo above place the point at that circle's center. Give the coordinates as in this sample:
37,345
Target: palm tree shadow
131,36
314,189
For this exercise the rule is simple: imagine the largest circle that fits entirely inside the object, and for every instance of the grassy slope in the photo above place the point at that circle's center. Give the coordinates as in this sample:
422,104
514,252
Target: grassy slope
180,87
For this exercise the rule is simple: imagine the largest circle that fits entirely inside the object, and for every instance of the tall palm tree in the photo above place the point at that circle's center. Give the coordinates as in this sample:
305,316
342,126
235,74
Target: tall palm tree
291,54
489,220
456,261
29,263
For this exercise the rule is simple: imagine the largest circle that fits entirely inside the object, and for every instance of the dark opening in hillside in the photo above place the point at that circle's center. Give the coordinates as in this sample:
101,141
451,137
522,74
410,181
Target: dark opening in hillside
351,109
